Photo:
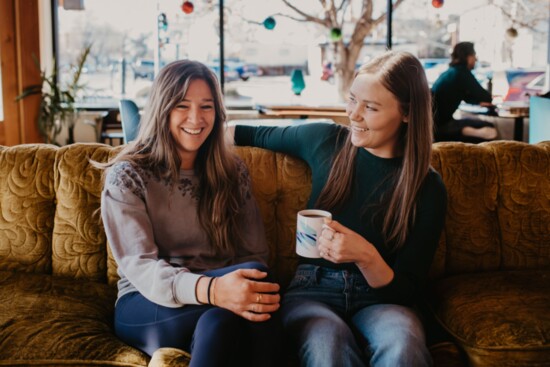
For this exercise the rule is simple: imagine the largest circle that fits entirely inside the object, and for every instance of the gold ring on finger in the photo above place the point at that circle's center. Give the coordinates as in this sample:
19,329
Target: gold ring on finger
258,298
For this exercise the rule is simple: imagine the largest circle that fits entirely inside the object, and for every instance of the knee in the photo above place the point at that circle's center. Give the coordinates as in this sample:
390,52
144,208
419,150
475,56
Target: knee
218,321
321,339
403,350
397,338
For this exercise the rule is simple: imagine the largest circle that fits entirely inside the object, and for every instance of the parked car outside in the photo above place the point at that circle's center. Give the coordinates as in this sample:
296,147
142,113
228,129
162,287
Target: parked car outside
234,69
144,69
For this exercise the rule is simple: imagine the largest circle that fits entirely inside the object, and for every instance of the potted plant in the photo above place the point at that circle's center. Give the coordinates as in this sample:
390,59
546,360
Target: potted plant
57,102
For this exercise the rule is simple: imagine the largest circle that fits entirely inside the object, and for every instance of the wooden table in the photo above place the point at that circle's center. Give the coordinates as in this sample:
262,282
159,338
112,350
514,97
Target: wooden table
278,122
511,111
336,113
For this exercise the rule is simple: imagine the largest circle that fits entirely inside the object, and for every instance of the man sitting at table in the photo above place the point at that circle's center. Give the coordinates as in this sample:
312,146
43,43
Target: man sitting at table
455,85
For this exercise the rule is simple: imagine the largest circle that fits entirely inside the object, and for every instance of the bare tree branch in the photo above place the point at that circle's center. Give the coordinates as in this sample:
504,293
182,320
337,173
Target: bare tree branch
530,24
364,24
332,15
320,22
306,16
343,8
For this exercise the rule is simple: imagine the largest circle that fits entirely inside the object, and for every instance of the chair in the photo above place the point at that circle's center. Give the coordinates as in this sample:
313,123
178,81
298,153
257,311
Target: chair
110,129
129,116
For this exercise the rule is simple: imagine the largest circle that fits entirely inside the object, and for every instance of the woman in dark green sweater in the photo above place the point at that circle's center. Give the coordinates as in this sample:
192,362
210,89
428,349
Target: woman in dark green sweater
353,306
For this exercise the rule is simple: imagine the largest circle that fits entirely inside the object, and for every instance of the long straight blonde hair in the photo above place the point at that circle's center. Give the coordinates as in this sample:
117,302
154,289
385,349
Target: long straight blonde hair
155,149
402,74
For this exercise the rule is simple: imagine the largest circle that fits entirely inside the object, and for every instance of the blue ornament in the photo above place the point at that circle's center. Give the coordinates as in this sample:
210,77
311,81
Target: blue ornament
269,23
298,82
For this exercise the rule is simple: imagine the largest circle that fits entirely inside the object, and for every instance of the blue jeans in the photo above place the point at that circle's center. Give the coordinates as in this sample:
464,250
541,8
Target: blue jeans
214,336
334,319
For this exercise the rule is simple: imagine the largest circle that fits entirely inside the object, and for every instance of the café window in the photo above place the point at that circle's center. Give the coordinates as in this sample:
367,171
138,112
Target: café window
263,42
510,38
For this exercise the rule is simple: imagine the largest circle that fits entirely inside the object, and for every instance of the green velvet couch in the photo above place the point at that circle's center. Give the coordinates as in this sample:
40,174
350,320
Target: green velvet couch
488,300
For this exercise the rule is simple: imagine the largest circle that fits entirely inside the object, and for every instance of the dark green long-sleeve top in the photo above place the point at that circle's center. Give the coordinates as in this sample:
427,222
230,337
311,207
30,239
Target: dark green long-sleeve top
363,213
455,85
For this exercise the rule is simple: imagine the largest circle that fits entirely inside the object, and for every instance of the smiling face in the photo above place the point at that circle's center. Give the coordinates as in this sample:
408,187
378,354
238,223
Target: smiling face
192,121
375,117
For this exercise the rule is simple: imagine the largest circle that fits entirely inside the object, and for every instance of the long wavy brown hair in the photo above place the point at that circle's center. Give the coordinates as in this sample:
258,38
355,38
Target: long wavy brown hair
402,74
155,149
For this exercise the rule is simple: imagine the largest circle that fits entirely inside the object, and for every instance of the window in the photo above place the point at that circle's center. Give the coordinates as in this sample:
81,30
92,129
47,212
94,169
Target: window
510,38
264,41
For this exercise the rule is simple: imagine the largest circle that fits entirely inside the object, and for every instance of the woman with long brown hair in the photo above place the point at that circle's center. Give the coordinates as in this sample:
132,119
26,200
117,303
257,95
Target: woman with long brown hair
186,232
354,305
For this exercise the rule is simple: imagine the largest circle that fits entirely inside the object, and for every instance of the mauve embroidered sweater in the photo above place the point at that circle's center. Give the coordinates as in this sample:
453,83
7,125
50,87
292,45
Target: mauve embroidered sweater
156,239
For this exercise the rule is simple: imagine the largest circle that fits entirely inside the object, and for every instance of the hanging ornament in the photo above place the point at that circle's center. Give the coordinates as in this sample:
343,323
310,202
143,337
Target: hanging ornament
512,32
298,82
269,23
335,34
187,7
437,3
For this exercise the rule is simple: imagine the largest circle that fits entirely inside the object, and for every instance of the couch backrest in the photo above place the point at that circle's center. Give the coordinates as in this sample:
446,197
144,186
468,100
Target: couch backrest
498,215
27,206
79,243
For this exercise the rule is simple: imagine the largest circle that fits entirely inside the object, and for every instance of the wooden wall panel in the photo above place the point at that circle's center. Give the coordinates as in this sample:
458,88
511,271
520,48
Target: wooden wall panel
28,44
19,40
8,56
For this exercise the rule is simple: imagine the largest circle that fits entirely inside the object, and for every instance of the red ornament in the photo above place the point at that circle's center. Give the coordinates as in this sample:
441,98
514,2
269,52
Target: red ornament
187,7
437,3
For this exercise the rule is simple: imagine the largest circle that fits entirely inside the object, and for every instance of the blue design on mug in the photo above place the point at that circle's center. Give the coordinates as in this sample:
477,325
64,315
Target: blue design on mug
307,237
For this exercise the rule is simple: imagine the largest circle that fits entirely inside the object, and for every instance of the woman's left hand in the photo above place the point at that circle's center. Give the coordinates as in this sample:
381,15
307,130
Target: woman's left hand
340,244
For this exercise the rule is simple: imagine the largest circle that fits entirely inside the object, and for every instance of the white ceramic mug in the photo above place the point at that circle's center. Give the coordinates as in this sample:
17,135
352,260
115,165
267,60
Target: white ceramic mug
308,229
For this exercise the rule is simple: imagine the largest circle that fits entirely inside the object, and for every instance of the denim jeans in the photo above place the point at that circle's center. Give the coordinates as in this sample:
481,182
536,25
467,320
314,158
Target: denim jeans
333,318
214,336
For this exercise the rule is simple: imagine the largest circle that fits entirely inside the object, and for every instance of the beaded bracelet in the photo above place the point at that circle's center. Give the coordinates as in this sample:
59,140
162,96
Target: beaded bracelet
208,291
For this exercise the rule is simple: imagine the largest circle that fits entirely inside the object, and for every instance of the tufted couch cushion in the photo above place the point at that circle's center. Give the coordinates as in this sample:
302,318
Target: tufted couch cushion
27,207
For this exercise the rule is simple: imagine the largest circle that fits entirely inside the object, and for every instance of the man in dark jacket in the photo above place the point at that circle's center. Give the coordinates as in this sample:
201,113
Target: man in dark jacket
455,85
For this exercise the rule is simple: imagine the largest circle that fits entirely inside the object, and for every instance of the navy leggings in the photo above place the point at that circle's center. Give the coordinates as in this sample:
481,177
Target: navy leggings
214,336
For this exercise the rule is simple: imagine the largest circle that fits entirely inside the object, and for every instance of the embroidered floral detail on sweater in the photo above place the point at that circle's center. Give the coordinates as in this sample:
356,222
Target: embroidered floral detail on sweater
135,179
186,186
128,177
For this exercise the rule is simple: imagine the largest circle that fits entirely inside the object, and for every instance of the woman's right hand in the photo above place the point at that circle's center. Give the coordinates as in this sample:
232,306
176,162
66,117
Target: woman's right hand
242,293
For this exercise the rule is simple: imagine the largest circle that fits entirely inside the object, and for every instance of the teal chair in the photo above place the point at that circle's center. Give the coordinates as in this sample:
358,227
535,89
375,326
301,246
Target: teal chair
129,117
539,119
